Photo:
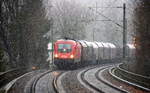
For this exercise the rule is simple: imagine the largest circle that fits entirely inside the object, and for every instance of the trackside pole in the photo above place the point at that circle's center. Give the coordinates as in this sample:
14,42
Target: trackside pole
124,31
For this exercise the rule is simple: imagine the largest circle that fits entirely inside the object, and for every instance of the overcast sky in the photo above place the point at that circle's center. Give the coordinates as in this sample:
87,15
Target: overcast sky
92,2
102,28
99,2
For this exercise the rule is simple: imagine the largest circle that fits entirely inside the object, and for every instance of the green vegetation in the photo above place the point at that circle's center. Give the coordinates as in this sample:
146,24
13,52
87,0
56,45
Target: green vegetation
2,91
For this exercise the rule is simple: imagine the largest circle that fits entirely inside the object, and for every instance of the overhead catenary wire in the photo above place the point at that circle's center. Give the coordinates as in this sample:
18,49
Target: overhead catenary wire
108,19
107,7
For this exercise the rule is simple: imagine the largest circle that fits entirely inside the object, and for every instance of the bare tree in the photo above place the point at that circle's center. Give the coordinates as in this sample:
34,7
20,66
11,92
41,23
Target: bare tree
8,14
141,31
22,26
143,37
34,25
70,19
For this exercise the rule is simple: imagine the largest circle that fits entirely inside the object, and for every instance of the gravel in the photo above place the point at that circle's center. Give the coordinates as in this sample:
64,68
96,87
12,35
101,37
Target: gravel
71,83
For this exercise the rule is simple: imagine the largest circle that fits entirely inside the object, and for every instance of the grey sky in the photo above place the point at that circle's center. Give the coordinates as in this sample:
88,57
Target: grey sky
93,2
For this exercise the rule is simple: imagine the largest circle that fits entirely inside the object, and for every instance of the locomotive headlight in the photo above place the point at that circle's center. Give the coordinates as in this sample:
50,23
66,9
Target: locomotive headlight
56,55
71,56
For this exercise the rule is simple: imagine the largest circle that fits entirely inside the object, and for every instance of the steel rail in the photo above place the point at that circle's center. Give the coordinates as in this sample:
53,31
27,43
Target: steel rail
108,83
8,87
8,76
55,86
35,81
133,74
123,78
87,83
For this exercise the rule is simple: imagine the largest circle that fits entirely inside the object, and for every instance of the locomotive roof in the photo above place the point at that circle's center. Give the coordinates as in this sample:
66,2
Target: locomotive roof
66,40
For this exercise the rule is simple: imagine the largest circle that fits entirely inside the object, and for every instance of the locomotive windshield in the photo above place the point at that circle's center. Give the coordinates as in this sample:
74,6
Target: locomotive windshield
64,48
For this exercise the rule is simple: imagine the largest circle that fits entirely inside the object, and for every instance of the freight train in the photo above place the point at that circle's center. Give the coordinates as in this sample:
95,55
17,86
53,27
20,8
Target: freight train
71,53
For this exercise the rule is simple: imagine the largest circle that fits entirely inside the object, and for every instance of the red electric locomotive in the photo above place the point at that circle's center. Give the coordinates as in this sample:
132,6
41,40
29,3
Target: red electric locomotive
66,52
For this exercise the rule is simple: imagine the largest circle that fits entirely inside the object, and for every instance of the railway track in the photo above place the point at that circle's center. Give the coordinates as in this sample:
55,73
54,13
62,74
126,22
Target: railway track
131,78
58,87
93,79
8,76
96,79
24,83
100,77
35,81
90,79
85,83
46,82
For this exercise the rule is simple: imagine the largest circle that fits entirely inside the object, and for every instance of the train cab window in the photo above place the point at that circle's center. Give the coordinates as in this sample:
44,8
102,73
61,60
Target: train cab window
64,48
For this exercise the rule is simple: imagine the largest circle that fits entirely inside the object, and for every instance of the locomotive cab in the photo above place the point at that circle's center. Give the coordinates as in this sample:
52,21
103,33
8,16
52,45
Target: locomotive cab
66,52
